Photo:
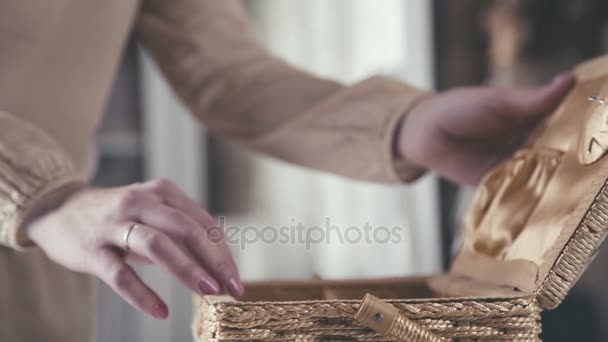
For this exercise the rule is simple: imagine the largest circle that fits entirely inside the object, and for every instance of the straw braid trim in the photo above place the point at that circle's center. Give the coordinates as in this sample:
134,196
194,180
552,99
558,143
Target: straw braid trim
405,330
577,253
500,320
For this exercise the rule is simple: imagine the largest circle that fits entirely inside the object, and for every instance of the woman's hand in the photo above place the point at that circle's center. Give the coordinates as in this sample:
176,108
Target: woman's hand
86,233
462,133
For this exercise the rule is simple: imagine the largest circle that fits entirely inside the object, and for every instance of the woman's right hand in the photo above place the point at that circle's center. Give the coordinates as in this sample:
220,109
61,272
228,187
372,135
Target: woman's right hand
84,229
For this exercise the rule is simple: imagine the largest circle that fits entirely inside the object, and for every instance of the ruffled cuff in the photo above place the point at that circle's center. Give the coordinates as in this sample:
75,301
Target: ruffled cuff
398,168
32,165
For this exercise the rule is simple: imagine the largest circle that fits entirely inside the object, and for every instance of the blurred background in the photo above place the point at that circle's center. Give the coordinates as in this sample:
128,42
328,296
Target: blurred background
147,133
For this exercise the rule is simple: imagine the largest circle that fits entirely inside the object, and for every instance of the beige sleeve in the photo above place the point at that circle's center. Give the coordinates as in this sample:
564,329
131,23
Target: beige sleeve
209,54
31,166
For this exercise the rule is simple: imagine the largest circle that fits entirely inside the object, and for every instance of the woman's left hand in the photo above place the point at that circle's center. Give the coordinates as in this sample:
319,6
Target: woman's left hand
462,133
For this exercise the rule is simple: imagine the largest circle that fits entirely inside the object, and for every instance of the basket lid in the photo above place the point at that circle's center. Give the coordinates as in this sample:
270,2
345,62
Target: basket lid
537,219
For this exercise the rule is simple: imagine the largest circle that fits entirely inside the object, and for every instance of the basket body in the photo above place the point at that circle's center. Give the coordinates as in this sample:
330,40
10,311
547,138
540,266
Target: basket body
220,318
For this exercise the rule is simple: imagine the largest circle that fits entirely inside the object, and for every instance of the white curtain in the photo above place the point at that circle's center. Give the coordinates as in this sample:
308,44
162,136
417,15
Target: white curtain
347,40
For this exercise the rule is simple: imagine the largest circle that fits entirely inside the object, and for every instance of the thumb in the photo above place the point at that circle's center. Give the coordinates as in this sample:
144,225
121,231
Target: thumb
535,103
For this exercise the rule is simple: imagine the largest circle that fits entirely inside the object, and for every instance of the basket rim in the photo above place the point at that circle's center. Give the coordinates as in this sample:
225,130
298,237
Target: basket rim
227,319
579,251
229,300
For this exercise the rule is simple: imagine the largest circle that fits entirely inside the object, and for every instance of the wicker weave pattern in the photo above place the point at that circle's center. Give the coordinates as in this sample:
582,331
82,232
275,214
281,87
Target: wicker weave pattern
405,330
499,320
577,253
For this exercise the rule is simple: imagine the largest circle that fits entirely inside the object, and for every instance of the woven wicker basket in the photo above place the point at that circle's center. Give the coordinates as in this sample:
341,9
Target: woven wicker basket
317,318
486,295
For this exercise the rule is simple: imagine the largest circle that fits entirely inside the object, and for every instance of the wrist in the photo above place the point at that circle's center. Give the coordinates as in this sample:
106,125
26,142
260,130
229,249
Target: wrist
406,147
408,168
46,205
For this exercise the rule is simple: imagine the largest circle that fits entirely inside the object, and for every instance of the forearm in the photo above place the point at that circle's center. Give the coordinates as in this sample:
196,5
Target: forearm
208,52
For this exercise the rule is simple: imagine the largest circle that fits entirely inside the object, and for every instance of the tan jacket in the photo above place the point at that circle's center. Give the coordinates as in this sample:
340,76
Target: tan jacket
57,61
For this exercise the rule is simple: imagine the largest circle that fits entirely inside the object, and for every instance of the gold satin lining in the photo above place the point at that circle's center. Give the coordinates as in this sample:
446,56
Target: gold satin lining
506,199
527,208
514,275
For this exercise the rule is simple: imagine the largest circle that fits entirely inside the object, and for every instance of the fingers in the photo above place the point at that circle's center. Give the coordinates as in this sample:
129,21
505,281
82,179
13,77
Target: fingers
218,260
123,280
184,233
183,214
136,259
541,101
174,197
213,255
550,96
164,251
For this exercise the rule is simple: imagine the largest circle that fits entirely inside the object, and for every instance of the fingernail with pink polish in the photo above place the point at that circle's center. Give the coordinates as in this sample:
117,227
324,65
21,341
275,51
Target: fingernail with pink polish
235,288
161,311
208,287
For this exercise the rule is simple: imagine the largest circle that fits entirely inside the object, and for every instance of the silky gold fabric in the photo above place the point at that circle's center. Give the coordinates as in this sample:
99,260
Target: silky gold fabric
507,198
527,208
